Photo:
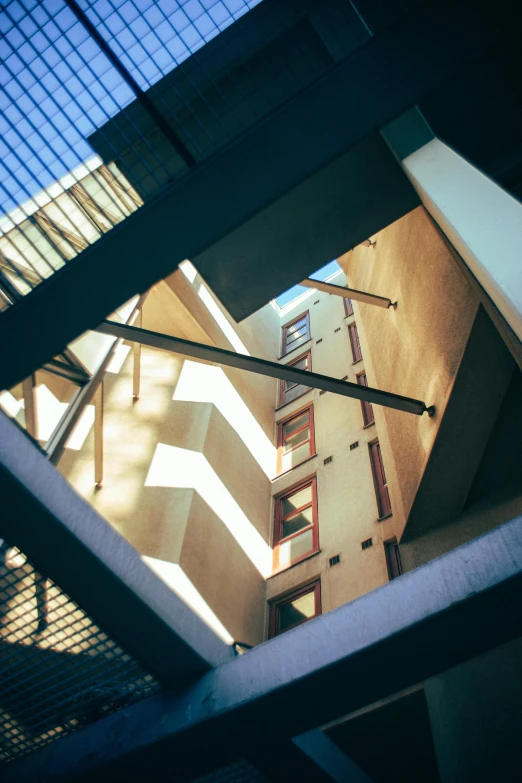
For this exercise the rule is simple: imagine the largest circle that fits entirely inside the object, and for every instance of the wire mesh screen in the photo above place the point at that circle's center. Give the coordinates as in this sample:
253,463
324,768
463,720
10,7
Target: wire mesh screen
58,670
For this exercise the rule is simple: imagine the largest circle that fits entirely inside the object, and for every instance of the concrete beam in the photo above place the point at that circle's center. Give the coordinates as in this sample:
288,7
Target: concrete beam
265,192
68,541
427,621
209,353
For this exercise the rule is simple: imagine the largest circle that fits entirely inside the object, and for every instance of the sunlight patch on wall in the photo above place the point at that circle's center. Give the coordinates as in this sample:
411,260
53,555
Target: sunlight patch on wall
120,354
226,327
172,466
205,383
189,270
174,576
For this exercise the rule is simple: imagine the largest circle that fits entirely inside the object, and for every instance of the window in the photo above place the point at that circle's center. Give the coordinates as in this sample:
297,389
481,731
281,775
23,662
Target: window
367,407
296,533
393,558
379,479
295,608
290,390
348,306
296,333
354,342
296,440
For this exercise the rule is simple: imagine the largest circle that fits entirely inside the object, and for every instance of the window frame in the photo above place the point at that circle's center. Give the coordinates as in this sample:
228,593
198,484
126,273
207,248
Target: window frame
389,544
356,348
348,307
284,330
281,396
366,407
383,511
310,586
280,438
279,518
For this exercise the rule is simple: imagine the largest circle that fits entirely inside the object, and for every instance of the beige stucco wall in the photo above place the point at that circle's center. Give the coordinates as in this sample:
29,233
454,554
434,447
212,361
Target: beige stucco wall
187,467
347,509
416,349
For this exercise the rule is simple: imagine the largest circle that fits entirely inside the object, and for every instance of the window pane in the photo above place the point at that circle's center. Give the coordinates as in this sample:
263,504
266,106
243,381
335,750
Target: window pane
295,424
292,458
297,326
303,608
302,364
297,500
295,440
301,520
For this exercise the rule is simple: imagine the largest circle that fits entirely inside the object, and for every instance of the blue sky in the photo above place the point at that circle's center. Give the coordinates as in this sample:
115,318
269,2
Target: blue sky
56,87
297,290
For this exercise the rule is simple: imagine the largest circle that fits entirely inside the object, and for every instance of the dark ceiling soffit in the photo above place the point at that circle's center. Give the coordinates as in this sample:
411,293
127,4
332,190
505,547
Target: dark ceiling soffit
70,543
217,197
210,353
465,603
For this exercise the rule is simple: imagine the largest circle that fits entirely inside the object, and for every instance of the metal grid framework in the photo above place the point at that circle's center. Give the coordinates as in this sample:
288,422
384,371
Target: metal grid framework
80,150
58,670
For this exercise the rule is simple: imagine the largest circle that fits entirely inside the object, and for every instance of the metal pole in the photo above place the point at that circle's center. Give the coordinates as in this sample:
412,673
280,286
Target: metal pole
55,446
31,410
98,436
209,353
349,293
136,347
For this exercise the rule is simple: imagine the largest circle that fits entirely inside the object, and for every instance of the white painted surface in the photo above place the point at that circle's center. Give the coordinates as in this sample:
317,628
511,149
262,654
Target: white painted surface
482,221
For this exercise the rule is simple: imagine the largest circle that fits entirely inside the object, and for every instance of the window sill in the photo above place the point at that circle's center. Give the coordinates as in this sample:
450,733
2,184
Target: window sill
386,516
371,424
349,316
284,355
357,362
293,565
280,475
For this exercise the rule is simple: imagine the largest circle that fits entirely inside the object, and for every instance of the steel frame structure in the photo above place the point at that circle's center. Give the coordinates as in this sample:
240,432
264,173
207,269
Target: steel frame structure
283,372
466,602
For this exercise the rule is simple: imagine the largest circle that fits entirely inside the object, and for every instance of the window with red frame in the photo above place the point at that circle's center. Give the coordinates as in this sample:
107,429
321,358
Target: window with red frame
289,390
379,480
296,532
367,407
354,342
296,333
296,439
294,608
348,306
393,558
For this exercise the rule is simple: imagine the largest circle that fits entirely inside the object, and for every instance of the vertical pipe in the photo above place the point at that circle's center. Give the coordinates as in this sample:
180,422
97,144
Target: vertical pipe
31,412
98,436
137,363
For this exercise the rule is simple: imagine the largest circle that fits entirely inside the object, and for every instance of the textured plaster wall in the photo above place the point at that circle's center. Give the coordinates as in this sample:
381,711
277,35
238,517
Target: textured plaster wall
172,523
416,349
346,496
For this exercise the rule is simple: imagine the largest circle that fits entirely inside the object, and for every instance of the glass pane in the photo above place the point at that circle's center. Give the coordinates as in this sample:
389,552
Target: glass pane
303,608
297,326
295,424
295,341
292,458
297,500
298,522
302,364
295,440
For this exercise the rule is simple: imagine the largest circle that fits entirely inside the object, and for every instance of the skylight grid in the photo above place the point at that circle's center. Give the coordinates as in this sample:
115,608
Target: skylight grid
58,87
152,38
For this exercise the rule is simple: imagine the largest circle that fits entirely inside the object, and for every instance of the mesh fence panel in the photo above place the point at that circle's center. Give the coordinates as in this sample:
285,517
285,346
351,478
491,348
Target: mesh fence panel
58,670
